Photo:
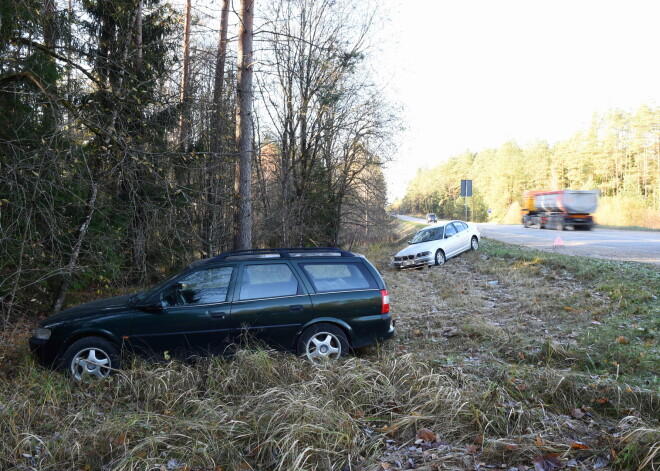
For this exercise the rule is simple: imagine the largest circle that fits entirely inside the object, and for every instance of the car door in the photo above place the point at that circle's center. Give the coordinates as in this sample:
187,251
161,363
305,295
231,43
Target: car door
194,318
463,236
452,241
270,304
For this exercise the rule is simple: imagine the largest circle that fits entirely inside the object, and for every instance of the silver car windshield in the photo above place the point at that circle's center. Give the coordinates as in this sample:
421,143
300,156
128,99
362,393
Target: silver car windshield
428,234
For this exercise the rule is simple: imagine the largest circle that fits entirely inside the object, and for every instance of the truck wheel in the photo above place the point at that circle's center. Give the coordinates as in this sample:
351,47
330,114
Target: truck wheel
560,225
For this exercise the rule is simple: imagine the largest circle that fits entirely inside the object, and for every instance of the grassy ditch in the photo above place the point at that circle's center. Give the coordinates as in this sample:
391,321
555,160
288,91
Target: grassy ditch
506,357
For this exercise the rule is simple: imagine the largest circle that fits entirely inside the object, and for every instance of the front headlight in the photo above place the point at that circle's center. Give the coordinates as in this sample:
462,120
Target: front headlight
424,254
41,333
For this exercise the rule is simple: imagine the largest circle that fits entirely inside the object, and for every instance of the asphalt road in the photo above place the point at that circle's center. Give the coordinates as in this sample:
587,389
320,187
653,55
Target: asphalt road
634,246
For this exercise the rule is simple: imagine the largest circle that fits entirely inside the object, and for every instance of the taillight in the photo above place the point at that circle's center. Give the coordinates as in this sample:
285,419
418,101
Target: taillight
386,301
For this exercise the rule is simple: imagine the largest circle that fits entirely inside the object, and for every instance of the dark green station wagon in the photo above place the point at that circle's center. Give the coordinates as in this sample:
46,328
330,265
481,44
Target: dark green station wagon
315,302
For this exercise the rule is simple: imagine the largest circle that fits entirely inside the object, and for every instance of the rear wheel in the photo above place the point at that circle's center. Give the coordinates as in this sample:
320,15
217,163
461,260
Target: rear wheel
440,258
91,357
474,245
323,342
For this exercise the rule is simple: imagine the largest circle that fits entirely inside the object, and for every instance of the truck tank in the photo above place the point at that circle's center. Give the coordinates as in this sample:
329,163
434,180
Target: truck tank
569,201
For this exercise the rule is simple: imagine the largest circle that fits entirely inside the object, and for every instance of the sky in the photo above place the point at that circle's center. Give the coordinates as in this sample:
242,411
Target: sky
473,74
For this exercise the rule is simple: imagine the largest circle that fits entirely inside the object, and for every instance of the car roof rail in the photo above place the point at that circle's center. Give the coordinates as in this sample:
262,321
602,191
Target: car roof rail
287,252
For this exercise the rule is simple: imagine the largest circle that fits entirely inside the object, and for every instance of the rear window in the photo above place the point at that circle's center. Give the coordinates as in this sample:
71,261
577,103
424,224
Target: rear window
328,277
268,281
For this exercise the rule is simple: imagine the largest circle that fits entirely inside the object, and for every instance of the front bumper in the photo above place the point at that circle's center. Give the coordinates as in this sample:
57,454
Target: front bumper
45,351
411,261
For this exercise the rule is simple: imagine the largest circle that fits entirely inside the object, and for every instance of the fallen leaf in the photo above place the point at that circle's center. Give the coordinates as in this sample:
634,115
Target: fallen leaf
511,446
603,400
426,435
579,446
479,439
358,414
538,441
622,340
577,413
546,463
471,449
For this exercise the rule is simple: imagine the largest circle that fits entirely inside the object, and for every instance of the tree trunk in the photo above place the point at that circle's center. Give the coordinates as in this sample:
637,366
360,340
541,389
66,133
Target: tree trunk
184,120
138,36
243,234
218,88
75,251
49,24
216,176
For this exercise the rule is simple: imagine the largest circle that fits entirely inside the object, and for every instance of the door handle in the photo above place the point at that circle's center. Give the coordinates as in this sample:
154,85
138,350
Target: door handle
217,314
296,308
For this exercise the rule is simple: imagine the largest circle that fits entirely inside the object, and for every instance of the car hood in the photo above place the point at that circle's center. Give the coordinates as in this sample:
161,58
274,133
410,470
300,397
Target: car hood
414,249
102,306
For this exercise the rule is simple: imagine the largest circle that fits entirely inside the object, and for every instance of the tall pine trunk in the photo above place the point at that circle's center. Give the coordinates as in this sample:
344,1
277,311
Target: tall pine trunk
243,234
184,120
217,177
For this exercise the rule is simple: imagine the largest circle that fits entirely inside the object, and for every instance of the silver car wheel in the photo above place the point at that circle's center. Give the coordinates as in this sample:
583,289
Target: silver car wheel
475,243
323,346
91,362
440,257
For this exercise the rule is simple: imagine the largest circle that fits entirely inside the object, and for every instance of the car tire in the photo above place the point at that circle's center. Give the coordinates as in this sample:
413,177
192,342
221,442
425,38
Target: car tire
323,342
474,244
440,258
91,357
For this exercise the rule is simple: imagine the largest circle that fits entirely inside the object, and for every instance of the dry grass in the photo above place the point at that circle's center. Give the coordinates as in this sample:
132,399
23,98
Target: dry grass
496,354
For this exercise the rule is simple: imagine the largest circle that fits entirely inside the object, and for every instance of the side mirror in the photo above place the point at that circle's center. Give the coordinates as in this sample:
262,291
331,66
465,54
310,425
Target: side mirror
410,242
152,306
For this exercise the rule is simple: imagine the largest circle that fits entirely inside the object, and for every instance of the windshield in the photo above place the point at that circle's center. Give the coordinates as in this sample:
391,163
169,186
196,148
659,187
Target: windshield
428,234
144,295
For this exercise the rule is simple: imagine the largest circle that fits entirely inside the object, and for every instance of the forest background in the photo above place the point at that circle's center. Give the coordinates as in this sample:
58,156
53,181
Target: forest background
619,154
118,148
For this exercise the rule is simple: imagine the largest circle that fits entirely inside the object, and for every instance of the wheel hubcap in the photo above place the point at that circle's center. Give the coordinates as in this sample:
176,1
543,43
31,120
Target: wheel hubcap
323,346
90,362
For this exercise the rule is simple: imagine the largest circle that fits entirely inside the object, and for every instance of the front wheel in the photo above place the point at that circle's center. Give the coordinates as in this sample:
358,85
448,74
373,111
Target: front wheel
91,357
440,258
474,245
323,342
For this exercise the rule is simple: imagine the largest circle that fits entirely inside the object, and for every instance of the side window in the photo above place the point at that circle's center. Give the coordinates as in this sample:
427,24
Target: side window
460,226
450,230
201,287
268,281
328,277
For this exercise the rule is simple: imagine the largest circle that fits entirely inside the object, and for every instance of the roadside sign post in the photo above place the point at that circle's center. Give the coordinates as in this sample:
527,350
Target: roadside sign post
466,190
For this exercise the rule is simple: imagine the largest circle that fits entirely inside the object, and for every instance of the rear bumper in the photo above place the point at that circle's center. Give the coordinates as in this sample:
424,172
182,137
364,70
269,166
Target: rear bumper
371,330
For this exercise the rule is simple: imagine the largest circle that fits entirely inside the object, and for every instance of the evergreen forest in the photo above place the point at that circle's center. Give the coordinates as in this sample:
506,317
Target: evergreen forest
119,159
619,154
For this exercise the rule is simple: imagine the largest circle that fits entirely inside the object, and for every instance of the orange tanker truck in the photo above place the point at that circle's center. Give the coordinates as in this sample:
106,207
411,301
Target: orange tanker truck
559,209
